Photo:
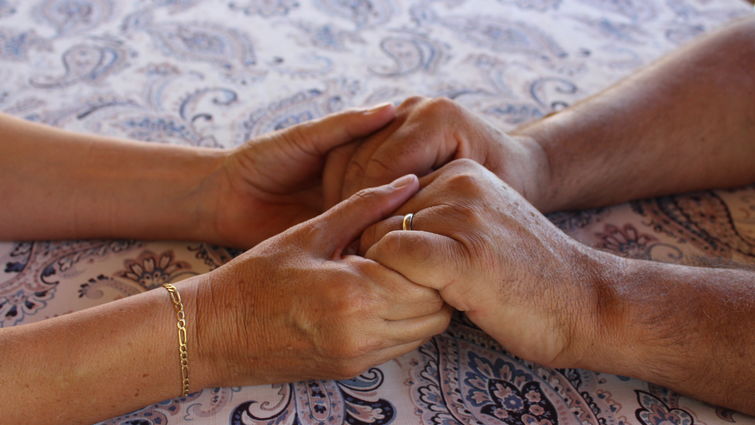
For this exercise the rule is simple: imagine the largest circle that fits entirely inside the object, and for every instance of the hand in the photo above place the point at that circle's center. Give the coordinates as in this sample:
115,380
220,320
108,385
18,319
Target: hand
426,134
274,182
494,256
294,308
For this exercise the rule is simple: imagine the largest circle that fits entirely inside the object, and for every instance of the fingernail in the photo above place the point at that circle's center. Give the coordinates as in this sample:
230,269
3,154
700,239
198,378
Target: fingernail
378,107
403,181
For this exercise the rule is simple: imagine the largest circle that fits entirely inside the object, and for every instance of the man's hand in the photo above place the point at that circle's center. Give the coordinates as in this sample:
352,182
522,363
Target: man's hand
494,256
552,300
426,134
274,182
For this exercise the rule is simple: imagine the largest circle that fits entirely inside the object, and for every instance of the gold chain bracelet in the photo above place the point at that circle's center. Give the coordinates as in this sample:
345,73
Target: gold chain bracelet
183,351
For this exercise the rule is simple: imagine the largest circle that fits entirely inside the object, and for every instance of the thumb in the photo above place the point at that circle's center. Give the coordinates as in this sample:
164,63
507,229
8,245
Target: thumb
345,222
343,127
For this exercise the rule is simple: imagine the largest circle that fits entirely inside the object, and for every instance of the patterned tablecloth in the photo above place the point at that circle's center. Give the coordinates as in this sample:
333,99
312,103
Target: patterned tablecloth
215,73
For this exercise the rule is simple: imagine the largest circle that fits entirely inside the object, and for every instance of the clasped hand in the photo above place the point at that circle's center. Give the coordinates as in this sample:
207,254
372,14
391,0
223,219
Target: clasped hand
303,308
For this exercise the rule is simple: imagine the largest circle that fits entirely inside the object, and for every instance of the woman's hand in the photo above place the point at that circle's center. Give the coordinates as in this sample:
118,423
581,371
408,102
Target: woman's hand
494,256
426,134
295,307
274,182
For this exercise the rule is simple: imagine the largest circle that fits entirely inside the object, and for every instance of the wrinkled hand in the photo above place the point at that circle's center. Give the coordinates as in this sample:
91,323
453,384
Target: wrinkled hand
426,134
294,307
274,181
495,257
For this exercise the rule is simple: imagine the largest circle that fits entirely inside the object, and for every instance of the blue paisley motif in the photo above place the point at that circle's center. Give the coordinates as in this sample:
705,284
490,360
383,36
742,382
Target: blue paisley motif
6,8
328,36
363,13
73,16
214,256
615,30
165,129
85,63
15,46
654,411
300,107
322,403
636,10
410,53
465,377
35,271
504,36
204,42
540,89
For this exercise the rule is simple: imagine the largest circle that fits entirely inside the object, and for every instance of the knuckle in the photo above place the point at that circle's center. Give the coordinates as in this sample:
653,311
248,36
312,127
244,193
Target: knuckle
390,242
300,136
348,301
466,183
412,100
470,220
442,106
366,195
350,345
437,302
465,164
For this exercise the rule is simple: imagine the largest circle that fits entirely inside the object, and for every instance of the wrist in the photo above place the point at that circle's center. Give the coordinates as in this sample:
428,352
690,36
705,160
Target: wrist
205,174
531,172
203,354
615,340
550,176
153,192
596,331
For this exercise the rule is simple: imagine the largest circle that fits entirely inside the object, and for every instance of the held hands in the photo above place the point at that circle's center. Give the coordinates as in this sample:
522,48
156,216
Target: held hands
278,180
294,307
494,256
303,296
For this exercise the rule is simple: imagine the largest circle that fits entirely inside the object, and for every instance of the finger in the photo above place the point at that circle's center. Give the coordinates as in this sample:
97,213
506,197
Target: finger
440,219
399,332
398,156
381,356
354,169
320,136
402,298
425,258
342,224
334,171
355,172
376,232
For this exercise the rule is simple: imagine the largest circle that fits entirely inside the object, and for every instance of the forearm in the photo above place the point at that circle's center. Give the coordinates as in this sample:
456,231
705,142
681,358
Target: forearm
684,123
98,363
58,185
686,328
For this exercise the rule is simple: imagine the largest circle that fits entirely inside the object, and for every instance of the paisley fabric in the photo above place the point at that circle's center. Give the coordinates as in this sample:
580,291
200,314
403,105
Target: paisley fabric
215,73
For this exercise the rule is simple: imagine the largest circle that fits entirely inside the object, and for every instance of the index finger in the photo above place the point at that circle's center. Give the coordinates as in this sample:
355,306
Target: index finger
428,259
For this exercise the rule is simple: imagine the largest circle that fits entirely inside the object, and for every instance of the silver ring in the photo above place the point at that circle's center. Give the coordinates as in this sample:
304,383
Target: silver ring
408,223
